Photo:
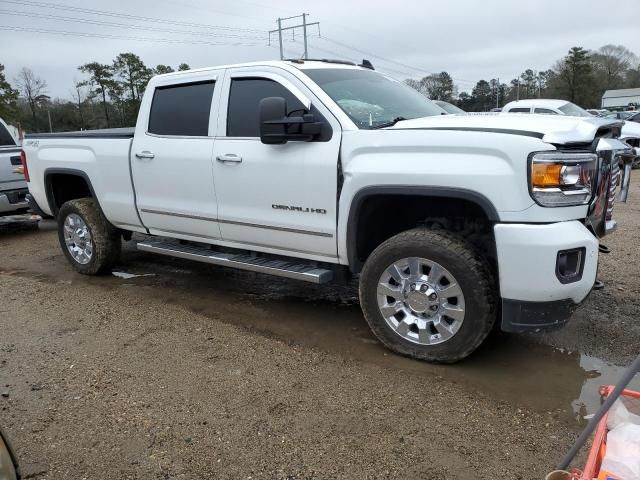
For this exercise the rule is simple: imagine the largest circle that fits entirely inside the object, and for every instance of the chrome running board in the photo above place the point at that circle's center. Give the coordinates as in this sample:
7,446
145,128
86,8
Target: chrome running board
261,264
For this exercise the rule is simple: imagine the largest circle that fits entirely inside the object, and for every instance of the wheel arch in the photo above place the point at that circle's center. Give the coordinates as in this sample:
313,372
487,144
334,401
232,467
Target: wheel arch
365,195
82,190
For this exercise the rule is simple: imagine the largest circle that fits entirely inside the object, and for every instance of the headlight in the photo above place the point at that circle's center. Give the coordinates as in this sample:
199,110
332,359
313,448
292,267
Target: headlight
559,179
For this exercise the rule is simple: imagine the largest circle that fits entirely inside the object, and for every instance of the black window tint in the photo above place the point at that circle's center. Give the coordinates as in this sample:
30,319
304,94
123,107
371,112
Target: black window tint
243,118
545,111
520,110
5,137
181,109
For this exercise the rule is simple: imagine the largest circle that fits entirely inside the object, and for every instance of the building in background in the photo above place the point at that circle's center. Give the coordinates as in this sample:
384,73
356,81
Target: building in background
621,99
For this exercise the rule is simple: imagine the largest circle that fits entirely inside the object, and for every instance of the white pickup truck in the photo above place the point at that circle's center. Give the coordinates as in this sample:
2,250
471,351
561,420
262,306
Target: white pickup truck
322,170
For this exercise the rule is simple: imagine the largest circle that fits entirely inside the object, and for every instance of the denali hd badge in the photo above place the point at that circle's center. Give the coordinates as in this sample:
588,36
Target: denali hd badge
299,209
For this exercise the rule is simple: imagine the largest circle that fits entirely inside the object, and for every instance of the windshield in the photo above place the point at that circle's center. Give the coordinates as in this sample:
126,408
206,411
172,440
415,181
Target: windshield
574,110
371,99
448,107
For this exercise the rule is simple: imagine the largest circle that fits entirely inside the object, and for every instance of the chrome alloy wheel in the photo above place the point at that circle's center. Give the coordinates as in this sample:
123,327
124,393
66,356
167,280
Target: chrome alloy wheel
78,239
421,301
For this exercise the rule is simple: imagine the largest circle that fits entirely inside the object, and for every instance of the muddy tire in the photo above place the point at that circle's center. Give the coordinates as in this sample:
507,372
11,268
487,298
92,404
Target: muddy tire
429,295
90,243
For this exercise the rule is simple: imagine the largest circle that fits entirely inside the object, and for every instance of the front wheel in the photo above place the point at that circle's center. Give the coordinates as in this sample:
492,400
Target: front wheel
428,295
87,239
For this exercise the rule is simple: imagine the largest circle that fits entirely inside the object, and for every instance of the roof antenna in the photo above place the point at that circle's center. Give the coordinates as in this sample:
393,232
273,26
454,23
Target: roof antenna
366,64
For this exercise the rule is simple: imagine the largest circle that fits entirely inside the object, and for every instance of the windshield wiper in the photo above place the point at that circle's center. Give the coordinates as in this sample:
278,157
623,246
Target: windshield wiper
389,124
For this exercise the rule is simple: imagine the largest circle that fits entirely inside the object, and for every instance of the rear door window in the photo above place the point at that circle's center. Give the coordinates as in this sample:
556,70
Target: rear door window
181,110
520,110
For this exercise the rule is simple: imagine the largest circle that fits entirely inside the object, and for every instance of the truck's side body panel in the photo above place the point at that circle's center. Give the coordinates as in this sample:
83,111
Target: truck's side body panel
281,197
492,165
172,170
105,163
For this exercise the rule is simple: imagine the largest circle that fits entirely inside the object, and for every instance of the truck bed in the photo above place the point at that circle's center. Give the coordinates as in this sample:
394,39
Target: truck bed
100,157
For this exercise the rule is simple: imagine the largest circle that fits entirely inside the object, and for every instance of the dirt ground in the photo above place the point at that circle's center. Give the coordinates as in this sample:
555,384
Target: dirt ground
202,372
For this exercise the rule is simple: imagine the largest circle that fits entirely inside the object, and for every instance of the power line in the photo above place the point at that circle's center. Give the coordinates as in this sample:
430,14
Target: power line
123,37
70,8
383,67
127,26
304,25
387,60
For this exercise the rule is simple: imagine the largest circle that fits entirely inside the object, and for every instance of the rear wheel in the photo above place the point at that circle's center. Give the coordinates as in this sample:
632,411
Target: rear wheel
87,239
427,294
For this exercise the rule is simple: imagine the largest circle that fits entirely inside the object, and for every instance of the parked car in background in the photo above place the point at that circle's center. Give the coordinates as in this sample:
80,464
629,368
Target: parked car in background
596,112
630,133
546,107
620,115
450,108
634,118
13,188
320,171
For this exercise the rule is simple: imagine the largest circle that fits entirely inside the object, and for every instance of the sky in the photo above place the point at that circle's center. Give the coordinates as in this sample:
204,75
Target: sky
470,39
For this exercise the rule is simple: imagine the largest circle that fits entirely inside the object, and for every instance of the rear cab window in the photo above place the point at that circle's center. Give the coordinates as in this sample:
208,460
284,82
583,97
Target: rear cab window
182,109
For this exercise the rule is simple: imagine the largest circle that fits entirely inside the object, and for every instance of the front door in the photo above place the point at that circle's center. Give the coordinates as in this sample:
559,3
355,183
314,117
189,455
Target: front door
279,198
171,159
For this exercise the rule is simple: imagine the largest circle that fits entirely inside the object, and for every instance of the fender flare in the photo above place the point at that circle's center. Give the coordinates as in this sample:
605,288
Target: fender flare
67,171
425,191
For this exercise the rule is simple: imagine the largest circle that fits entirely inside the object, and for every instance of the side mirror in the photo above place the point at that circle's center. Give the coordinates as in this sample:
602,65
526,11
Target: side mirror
277,128
8,464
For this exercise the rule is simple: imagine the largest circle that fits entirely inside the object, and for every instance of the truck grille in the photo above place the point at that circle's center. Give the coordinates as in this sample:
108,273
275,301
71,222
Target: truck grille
614,182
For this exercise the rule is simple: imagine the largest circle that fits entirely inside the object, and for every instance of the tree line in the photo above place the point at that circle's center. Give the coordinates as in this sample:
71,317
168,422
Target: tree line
582,76
108,95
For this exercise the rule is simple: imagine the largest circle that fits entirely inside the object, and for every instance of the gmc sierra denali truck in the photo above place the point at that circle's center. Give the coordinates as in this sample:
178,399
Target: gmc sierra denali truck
13,188
322,170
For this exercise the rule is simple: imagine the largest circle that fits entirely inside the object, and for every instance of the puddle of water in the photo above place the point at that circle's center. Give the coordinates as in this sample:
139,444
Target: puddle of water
513,369
599,373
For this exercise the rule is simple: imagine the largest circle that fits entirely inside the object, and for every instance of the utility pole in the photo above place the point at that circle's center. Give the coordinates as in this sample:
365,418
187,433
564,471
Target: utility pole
279,37
303,25
498,93
304,31
518,97
49,115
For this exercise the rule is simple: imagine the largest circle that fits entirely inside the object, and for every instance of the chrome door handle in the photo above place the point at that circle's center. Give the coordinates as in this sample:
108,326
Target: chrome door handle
229,158
145,154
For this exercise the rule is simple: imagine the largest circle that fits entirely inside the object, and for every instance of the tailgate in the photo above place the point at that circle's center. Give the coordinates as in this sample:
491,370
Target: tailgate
9,162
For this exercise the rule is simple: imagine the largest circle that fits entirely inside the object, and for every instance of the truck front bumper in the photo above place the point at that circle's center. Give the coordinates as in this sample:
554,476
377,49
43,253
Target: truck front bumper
545,271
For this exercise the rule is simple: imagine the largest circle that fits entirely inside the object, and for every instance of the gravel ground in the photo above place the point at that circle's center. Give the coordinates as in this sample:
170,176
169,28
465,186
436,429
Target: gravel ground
201,372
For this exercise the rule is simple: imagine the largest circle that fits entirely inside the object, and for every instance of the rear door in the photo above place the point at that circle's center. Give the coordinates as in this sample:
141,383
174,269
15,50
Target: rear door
171,157
279,198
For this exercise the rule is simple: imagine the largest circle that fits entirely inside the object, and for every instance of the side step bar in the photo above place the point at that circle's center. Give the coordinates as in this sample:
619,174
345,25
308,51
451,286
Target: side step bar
242,261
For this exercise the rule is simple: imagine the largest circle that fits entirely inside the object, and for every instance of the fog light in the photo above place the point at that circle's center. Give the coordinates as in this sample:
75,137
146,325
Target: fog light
570,265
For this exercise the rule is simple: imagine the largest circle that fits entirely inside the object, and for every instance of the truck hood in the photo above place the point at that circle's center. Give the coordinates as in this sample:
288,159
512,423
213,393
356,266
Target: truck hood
555,129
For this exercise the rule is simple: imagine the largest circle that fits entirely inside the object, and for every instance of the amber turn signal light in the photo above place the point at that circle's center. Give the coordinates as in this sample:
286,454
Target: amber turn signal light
545,175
